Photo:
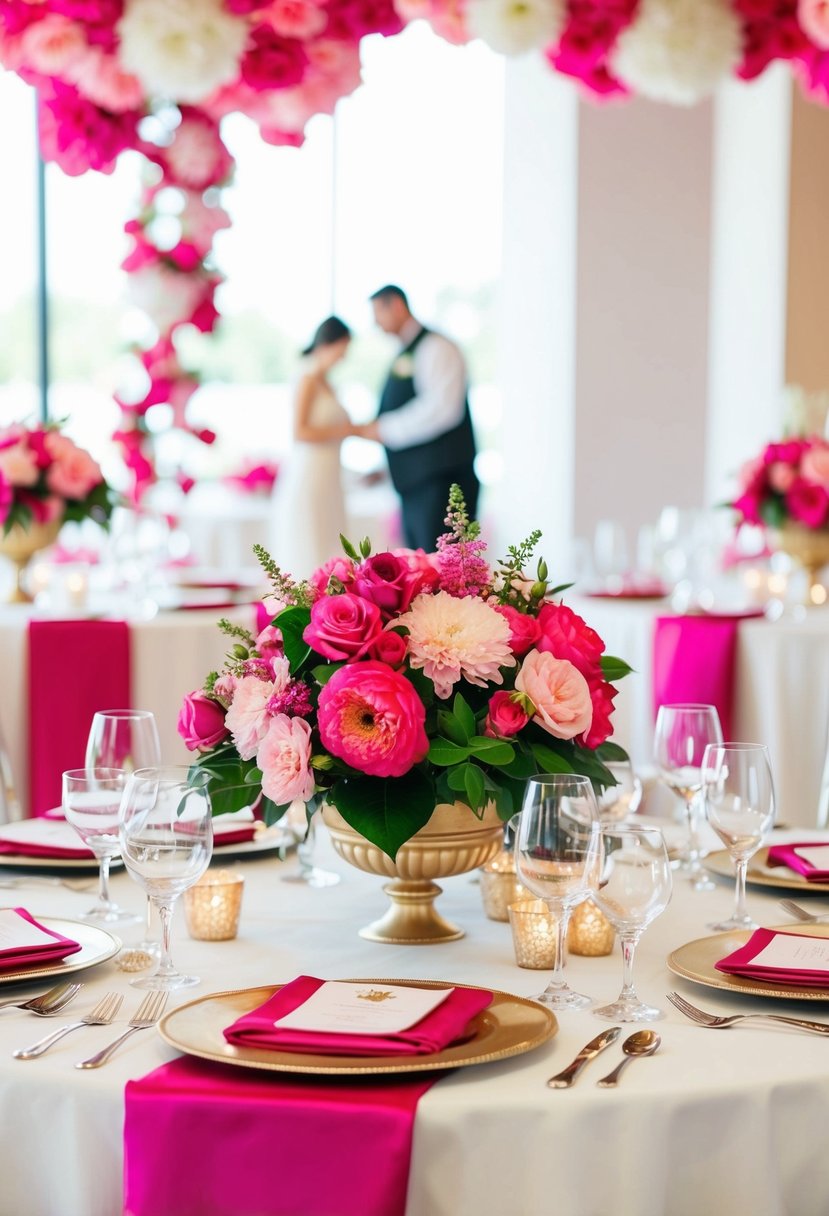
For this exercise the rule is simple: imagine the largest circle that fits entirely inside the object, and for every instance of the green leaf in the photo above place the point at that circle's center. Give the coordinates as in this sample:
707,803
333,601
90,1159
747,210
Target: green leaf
614,669
464,714
492,751
456,778
449,726
324,672
254,777
387,812
272,811
444,753
524,765
349,549
475,786
773,511
423,686
611,753
504,802
550,761
561,588
292,624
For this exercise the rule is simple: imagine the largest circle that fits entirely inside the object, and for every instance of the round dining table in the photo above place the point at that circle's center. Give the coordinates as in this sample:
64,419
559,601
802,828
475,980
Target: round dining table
717,1121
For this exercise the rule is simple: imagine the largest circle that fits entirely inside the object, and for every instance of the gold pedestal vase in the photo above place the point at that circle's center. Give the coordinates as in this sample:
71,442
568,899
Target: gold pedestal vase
810,548
20,545
454,841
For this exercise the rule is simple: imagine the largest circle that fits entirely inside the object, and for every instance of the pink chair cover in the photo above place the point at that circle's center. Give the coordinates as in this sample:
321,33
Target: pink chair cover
693,662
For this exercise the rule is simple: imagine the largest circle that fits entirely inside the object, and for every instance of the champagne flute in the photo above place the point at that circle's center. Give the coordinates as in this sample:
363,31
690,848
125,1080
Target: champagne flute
738,791
557,851
682,734
635,888
166,833
126,739
91,798
617,802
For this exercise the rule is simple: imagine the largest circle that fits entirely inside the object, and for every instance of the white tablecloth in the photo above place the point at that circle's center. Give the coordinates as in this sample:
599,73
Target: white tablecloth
717,1122
781,687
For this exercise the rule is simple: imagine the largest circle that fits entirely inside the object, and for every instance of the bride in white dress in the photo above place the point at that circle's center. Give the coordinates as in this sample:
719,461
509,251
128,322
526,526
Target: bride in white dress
308,512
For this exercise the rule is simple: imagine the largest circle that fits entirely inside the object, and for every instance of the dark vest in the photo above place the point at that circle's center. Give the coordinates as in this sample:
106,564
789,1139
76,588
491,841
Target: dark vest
410,467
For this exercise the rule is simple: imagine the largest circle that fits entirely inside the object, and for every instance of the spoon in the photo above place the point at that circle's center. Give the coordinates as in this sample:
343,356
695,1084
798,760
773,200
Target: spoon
642,1043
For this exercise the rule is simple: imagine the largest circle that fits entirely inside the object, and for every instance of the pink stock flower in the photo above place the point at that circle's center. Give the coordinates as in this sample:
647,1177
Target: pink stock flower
386,581
247,719
808,503
201,722
815,463
453,639
295,701
284,756
568,636
559,694
524,630
343,626
371,717
505,716
74,473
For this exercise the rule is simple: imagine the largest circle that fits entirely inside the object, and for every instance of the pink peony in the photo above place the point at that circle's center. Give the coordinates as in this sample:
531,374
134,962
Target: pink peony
567,636
559,693
506,716
387,581
371,717
247,719
201,722
808,503
340,568
74,473
524,630
815,463
18,464
284,756
343,626
453,639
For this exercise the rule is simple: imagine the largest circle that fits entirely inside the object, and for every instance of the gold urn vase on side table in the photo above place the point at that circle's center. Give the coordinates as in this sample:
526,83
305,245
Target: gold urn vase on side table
809,547
20,545
454,841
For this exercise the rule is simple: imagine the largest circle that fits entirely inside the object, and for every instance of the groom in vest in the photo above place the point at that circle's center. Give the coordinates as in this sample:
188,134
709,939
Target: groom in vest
423,421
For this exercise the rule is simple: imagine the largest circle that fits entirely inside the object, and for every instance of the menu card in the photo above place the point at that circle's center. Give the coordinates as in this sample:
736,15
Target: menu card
342,1008
783,958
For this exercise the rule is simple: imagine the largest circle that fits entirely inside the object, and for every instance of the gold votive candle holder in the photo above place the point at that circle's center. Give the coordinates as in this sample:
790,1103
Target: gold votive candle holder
590,933
212,906
533,934
500,886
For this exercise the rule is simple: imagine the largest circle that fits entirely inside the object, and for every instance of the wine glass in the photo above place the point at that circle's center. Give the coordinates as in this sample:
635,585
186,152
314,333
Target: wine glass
682,734
738,792
617,802
126,739
90,799
309,872
166,843
557,850
635,888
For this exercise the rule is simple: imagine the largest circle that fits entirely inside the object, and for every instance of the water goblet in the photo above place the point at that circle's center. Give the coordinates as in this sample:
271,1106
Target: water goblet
166,843
738,793
557,852
90,799
635,888
309,872
617,802
682,734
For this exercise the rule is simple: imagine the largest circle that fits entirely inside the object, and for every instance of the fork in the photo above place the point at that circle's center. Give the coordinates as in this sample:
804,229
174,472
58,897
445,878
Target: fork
795,910
48,1002
101,1015
147,1014
717,1022
71,884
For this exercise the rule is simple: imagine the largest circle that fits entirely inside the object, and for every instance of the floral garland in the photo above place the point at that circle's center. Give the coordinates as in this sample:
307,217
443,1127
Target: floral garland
102,67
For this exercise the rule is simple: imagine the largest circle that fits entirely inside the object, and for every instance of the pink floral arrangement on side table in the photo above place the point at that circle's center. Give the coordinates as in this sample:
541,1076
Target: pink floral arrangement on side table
45,476
789,481
393,682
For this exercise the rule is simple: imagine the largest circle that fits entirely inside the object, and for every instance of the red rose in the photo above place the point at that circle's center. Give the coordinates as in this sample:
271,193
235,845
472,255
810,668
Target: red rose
524,630
567,636
506,717
601,728
386,581
390,648
201,722
343,626
808,503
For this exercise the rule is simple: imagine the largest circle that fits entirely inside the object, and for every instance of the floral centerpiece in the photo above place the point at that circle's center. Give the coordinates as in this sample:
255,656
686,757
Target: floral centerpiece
391,683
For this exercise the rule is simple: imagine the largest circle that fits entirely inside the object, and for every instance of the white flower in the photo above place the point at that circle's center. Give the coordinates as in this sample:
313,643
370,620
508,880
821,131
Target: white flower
183,49
453,638
678,50
512,27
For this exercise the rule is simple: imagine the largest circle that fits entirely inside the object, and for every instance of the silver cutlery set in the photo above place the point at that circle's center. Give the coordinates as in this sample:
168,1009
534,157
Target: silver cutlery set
640,1043
49,1003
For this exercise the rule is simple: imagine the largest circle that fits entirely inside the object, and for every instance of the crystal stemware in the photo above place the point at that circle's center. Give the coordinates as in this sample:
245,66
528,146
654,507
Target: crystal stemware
738,793
617,802
635,888
682,734
557,852
166,843
90,799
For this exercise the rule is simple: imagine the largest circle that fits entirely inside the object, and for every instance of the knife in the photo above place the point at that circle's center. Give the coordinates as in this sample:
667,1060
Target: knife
565,1079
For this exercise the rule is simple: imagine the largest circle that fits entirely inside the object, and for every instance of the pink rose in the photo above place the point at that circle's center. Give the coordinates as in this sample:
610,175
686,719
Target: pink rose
201,722
524,630
247,719
387,581
424,565
371,717
284,757
6,498
781,476
815,463
74,473
808,503
748,505
567,636
343,626
601,728
389,647
340,568
269,642
18,464
506,717
789,451
558,692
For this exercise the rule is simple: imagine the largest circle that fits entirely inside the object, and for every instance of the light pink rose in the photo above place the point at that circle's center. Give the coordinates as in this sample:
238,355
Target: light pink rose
813,16
18,464
781,476
100,77
815,464
53,45
247,719
284,757
74,473
559,693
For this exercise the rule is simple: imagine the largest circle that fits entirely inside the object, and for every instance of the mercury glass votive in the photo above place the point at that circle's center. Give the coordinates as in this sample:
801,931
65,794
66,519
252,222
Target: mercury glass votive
590,933
212,906
533,934
500,886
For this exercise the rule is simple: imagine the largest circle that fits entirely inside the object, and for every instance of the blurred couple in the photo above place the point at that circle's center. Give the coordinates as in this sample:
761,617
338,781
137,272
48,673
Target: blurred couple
423,422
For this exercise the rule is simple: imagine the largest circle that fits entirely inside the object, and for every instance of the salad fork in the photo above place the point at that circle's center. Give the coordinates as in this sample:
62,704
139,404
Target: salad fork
101,1015
808,918
48,1002
722,1022
147,1014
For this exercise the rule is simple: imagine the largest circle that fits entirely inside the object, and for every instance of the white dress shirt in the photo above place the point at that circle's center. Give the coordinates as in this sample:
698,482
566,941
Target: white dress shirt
440,392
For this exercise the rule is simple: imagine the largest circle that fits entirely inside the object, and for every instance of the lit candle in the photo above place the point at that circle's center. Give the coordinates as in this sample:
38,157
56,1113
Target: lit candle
500,886
590,932
212,906
533,934
75,587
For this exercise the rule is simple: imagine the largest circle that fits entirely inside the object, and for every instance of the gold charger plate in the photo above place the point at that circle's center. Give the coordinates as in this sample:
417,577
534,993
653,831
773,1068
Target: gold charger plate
509,1026
97,945
695,961
760,874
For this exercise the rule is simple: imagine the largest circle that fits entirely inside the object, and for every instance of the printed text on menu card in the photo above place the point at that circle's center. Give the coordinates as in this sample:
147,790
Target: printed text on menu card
786,950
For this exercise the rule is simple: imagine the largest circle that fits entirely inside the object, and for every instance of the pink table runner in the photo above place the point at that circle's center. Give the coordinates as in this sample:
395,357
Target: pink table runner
205,1139
693,662
75,668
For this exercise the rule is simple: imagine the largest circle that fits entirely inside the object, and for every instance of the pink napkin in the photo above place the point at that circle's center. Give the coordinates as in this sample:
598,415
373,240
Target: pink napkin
785,855
693,663
24,848
63,845
740,963
239,835
49,952
432,1033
